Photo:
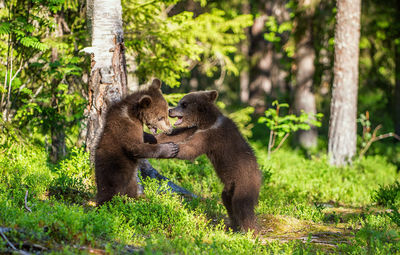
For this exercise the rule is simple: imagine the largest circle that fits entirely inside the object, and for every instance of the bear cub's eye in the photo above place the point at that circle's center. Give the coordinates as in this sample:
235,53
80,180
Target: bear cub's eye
184,105
161,118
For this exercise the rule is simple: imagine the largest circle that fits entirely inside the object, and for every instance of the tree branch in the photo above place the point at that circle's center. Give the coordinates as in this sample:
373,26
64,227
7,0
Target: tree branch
375,138
281,142
26,202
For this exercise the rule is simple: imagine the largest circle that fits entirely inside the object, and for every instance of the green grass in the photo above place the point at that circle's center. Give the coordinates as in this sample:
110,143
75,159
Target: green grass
305,207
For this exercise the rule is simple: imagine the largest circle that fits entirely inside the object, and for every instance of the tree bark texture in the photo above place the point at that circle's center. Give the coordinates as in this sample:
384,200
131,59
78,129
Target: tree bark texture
57,132
304,98
108,82
397,75
342,126
397,90
264,61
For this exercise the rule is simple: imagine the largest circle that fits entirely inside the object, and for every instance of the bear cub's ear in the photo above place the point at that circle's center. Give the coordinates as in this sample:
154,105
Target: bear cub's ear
212,95
156,84
144,101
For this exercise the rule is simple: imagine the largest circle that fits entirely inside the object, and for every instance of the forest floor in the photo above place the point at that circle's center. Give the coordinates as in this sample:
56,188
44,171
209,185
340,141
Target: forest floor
326,235
305,206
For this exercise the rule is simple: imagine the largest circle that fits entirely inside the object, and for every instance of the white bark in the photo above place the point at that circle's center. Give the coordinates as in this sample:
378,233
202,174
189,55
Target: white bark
108,82
343,127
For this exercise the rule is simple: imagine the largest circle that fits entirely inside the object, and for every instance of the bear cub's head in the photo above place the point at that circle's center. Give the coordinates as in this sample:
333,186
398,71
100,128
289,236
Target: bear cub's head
196,109
154,109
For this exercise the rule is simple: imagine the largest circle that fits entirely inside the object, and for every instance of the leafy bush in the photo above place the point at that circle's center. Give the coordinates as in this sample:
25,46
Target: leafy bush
23,167
388,195
74,181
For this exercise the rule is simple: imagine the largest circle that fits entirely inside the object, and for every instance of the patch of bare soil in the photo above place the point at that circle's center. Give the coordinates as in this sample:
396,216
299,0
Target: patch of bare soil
338,228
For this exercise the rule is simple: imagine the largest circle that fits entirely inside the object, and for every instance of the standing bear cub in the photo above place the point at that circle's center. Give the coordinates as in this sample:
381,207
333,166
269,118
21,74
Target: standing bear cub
203,129
122,142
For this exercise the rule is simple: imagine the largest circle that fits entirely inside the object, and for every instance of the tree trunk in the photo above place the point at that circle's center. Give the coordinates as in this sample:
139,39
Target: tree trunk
108,82
397,75
265,71
260,54
304,98
397,90
342,126
244,48
57,131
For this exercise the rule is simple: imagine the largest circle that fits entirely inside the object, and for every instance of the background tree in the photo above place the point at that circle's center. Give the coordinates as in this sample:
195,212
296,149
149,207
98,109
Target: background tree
342,127
396,101
304,97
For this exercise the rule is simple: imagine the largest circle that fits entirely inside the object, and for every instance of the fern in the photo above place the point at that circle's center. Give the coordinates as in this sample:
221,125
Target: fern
5,28
33,42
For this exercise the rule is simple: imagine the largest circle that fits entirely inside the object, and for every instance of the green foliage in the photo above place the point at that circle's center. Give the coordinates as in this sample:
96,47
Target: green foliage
74,181
22,166
282,126
243,119
169,46
366,128
163,222
43,67
376,236
388,195
173,99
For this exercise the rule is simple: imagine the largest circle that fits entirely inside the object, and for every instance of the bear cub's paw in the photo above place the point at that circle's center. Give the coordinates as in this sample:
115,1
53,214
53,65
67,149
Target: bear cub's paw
168,150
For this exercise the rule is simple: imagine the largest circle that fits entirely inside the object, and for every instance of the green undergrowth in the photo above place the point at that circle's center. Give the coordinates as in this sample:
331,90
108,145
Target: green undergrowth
298,210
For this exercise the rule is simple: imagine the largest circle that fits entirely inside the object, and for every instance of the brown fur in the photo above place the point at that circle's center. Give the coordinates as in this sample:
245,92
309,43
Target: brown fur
205,130
122,142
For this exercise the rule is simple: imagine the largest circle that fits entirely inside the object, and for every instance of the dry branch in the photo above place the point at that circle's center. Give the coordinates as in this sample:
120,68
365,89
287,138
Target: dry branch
375,138
26,202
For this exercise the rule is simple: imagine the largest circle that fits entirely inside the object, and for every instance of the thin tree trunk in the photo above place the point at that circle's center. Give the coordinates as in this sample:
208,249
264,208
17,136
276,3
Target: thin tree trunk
244,48
265,71
342,126
57,131
397,75
107,83
261,54
397,90
304,98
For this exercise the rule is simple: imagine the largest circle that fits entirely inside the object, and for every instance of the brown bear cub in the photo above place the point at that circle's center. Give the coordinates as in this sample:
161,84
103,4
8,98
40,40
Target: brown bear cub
203,129
122,142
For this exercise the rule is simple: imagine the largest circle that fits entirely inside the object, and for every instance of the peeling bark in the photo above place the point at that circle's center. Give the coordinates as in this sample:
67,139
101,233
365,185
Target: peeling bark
342,126
108,82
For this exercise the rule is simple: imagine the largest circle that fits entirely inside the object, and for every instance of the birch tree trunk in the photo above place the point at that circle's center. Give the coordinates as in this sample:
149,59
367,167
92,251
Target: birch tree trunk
342,126
108,82
108,79
304,98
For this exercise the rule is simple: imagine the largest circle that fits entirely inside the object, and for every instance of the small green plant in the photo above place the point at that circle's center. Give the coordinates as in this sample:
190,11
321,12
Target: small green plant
282,126
387,195
74,181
